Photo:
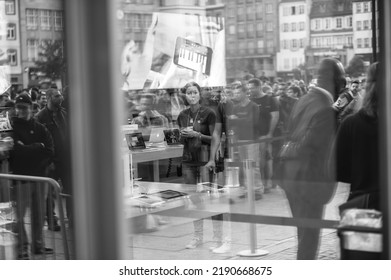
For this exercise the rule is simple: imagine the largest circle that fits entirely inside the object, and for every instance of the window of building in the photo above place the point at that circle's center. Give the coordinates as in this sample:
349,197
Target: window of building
241,31
350,41
293,28
366,7
242,47
340,40
270,45
359,43
302,43
44,16
250,30
358,8
317,24
366,24
294,44
231,12
32,49
294,62
366,43
259,27
269,26
328,41
31,18
128,21
340,7
350,21
11,31
293,10
251,47
285,11
240,13
338,22
12,57
260,44
286,63
318,42
250,12
301,9
285,27
58,21
232,29
10,7
327,23
359,25
259,10
269,8
301,26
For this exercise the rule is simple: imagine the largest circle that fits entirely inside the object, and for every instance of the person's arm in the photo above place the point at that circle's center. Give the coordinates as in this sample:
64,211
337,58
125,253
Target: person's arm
211,165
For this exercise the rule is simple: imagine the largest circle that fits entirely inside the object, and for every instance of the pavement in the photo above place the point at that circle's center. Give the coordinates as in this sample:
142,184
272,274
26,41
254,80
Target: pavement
279,241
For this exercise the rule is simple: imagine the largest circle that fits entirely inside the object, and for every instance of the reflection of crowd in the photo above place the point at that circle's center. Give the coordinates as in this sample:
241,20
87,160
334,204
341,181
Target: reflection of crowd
40,148
287,128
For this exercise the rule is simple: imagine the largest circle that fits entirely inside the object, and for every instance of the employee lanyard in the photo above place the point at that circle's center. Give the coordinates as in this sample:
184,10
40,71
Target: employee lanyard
189,119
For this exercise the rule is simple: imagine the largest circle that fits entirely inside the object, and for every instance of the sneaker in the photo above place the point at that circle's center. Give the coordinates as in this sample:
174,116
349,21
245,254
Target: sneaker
194,243
216,243
224,248
44,251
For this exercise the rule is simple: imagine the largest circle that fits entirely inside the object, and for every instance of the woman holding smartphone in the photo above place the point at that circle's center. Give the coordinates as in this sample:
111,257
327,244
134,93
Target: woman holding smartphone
196,124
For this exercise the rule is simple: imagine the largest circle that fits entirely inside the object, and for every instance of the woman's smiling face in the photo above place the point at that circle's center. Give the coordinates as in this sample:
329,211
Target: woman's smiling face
192,95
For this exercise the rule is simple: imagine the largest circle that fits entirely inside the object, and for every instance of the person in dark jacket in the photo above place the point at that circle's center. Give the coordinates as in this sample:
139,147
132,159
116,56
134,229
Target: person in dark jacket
54,117
31,155
358,148
306,181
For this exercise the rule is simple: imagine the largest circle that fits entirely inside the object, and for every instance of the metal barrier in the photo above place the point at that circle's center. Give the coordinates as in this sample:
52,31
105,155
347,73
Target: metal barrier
29,191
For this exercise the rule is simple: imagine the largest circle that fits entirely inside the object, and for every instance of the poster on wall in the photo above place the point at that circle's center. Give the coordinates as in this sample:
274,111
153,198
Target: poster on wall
178,49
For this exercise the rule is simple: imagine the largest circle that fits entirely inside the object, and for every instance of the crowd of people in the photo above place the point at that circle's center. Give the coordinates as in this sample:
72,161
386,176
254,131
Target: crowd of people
295,133
39,129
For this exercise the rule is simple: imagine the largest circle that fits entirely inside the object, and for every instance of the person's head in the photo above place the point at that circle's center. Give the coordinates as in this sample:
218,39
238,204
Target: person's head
254,86
354,86
238,92
23,107
192,92
42,99
4,98
331,75
281,89
369,103
293,91
146,102
54,98
34,92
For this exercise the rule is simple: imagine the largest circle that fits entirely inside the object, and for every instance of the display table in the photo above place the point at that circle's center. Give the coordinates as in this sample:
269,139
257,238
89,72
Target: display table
194,204
154,155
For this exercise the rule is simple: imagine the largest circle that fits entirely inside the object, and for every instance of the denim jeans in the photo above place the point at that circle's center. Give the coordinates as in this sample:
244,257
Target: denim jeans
33,195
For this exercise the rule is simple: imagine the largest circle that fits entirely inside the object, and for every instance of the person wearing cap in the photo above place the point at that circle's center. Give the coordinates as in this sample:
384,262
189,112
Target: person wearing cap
32,155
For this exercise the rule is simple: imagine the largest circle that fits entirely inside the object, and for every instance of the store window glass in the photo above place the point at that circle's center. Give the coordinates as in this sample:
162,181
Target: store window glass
195,95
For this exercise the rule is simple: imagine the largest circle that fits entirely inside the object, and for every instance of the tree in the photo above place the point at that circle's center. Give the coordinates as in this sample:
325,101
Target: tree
51,60
356,67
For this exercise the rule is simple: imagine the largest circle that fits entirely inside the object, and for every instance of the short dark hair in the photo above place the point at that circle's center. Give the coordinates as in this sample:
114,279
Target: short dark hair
296,90
257,82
